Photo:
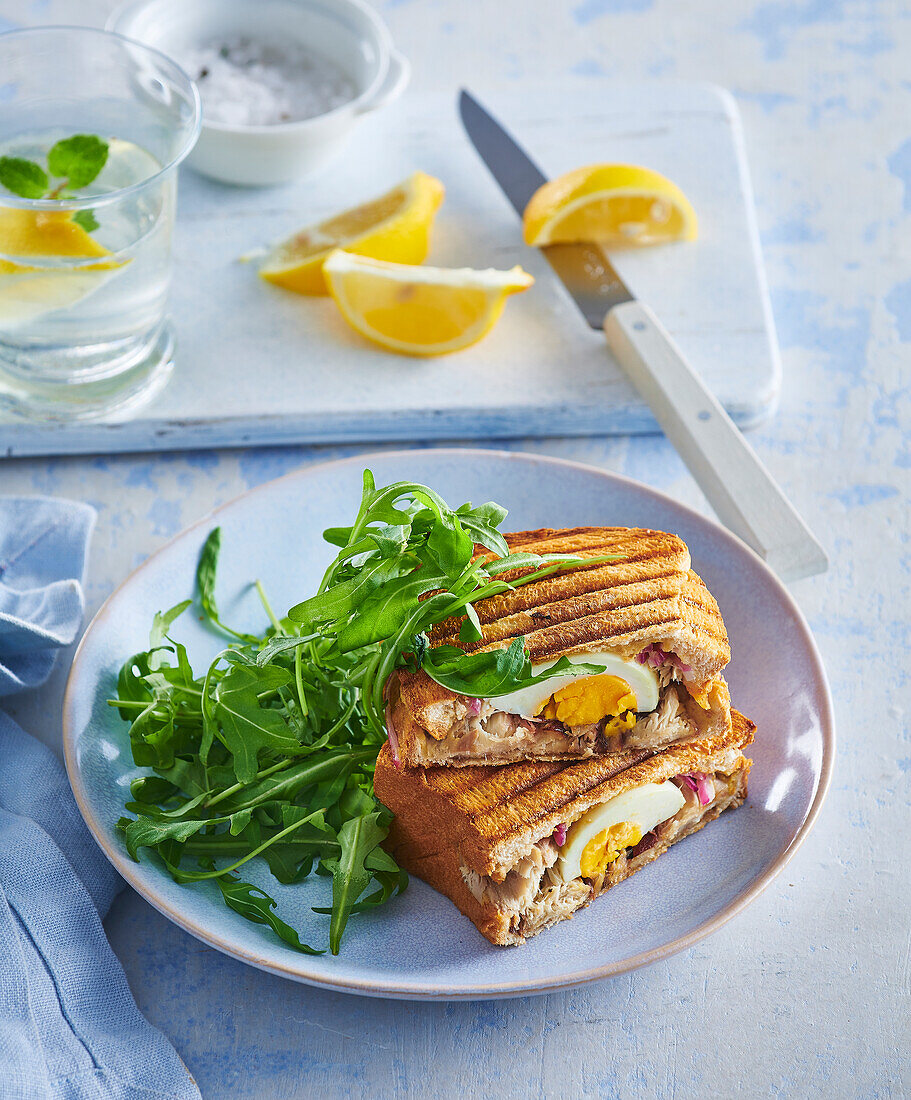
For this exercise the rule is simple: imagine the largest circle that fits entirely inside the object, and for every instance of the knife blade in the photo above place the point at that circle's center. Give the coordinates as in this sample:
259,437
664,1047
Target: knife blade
584,269
724,465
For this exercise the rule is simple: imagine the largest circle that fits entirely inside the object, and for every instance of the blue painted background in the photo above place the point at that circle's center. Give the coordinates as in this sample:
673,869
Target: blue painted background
806,993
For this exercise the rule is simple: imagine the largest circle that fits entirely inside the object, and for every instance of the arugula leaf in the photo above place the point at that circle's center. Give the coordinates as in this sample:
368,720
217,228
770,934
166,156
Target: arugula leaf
346,596
382,614
78,159
495,672
276,646
244,726
143,832
359,837
132,686
257,906
482,523
161,624
206,572
23,177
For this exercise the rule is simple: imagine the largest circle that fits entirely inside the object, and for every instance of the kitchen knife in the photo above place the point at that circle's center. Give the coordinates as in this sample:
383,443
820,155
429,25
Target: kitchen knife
724,465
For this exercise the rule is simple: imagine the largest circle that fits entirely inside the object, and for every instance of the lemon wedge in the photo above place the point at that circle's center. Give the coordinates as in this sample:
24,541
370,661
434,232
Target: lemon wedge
30,290
419,310
29,293
611,203
395,226
29,234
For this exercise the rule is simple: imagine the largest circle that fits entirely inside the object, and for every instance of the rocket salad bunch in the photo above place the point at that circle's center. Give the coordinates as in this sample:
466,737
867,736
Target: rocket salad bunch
270,750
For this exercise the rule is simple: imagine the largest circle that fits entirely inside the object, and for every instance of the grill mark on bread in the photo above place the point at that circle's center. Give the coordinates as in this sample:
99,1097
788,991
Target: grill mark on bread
542,798
576,606
493,816
649,596
648,559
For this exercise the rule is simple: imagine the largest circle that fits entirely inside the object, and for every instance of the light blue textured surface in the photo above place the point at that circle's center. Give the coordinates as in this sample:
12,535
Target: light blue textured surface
806,993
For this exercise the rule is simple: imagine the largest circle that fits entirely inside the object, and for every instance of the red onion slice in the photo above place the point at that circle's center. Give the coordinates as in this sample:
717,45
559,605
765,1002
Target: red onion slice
560,836
700,783
474,706
705,789
654,656
393,739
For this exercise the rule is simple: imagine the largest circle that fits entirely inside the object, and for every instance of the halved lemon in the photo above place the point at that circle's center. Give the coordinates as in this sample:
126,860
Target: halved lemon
31,290
419,310
610,203
395,226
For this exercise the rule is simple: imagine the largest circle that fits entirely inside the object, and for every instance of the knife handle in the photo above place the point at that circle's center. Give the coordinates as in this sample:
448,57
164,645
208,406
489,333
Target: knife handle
724,465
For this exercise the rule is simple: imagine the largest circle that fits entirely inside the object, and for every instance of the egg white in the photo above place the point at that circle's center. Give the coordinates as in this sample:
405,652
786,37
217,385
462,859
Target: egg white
642,679
645,806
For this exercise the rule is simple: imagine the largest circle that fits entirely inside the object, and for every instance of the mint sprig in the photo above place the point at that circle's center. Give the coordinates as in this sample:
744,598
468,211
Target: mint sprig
72,163
78,159
23,177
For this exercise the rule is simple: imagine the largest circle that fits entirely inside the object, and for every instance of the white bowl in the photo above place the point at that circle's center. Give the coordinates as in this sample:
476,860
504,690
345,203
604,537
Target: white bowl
346,32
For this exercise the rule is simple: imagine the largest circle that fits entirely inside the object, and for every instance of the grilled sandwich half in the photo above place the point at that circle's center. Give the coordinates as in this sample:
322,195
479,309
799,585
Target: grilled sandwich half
645,618
521,848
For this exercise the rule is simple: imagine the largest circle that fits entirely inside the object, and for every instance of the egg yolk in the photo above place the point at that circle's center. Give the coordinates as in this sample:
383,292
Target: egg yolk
604,847
589,699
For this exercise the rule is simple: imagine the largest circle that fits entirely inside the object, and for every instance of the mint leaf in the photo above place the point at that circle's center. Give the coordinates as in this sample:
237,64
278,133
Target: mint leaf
86,220
23,177
78,159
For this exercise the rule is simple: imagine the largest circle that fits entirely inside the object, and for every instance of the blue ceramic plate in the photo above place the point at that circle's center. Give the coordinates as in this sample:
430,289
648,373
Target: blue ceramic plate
419,945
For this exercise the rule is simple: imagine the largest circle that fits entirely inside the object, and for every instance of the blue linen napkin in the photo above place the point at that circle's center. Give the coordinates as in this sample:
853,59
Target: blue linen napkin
69,1027
43,546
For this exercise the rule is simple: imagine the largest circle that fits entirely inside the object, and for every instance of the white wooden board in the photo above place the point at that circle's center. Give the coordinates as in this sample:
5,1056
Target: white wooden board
257,365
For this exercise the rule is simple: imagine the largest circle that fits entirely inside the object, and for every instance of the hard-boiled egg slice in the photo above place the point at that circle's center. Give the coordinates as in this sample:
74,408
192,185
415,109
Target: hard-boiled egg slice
642,680
623,820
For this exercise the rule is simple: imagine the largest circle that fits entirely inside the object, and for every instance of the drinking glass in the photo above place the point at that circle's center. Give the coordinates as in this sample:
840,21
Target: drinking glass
84,271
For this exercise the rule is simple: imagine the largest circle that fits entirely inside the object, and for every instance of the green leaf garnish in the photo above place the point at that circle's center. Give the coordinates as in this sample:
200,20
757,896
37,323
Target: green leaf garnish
205,584
359,837
496,672
269,751
23,177
257,906
86,220
77,159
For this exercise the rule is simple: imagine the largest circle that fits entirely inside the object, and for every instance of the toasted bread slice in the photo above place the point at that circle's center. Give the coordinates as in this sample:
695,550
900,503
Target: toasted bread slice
484,836
647,601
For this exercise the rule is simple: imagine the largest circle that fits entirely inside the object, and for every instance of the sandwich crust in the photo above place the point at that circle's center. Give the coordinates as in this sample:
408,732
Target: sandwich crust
443,871
493,816
450,823
648,596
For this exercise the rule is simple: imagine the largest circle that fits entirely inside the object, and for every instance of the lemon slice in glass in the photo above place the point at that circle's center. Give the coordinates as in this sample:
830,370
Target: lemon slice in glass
30,289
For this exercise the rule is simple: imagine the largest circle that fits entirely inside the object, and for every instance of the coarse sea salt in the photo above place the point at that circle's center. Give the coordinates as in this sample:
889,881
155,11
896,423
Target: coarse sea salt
245,82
